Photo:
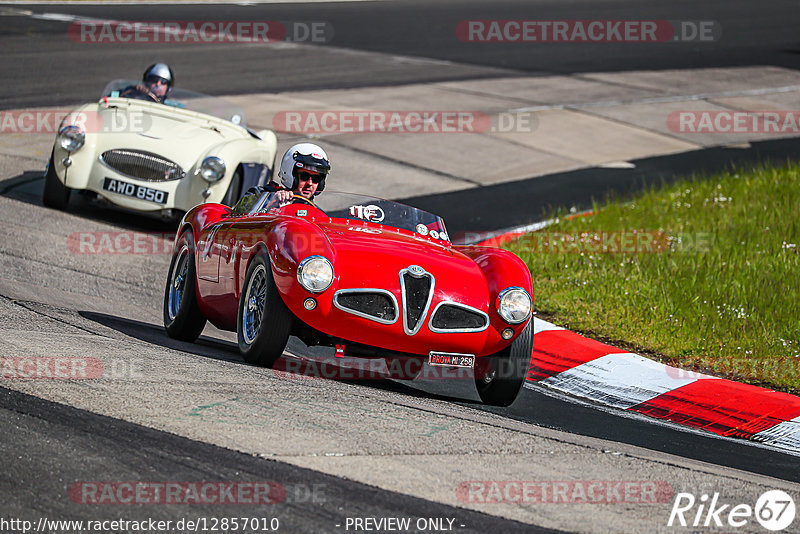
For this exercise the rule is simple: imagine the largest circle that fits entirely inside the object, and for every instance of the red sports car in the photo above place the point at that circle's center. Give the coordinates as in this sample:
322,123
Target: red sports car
370,277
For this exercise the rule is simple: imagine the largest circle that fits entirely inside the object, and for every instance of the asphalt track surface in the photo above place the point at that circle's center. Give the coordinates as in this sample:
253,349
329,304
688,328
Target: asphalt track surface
65,443
763,33
83,442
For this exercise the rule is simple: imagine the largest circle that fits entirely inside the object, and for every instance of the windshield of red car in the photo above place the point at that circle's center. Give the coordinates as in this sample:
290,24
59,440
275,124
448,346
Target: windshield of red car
386,213
185,99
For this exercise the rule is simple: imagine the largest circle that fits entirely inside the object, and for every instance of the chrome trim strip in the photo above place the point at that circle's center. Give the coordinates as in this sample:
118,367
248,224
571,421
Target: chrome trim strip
427,303
457,330
365,315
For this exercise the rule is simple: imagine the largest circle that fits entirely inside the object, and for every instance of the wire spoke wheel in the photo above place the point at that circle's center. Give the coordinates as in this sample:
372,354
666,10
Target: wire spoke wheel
182,316
255,298
264,321
177,284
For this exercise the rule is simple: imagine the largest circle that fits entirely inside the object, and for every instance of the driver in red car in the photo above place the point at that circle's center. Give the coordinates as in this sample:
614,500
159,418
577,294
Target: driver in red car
303,170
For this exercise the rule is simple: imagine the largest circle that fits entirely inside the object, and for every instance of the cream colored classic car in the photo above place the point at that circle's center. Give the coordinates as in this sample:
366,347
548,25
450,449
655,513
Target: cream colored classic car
162,158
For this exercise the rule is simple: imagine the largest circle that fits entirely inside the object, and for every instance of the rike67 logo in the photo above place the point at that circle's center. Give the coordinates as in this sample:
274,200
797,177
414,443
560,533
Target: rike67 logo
774,510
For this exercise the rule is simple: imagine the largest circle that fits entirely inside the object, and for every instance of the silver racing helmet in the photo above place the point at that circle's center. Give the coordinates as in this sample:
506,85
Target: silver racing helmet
160,70
304,156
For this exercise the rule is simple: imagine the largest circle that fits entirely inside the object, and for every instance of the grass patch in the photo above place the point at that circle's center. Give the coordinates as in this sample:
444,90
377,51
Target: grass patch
703,274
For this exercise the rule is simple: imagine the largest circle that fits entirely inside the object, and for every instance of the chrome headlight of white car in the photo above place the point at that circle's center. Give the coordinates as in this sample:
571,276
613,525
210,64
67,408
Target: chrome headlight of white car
514,305
315,273
212,169
71,138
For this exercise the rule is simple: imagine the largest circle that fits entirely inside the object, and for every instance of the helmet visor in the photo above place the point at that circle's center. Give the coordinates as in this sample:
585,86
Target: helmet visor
312,162
155,79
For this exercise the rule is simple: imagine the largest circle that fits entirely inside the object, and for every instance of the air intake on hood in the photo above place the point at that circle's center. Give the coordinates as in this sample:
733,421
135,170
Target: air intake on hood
417,288
452,317
376,304
142,165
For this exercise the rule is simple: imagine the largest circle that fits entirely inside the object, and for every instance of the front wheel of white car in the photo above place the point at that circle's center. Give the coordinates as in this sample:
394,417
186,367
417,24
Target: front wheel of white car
264,322
499,377
56,194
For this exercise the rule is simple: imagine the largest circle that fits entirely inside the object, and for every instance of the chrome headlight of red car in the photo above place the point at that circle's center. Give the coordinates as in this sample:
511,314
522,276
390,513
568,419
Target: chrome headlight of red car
514,305
315,273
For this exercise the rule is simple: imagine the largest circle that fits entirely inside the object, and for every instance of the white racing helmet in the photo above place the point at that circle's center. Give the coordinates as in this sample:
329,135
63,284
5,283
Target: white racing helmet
304,156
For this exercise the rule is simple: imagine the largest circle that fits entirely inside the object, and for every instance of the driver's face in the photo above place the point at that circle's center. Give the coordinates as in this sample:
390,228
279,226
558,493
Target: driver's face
308,182
158,86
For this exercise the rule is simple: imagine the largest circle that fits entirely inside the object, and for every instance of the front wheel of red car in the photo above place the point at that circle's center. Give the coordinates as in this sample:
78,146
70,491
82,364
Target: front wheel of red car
264,321
499,378
182,316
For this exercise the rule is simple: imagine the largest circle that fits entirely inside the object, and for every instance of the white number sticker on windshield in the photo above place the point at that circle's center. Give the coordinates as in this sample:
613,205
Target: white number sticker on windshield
371,213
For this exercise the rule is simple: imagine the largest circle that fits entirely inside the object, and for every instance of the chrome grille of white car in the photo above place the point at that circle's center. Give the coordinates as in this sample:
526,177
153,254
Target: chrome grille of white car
142,165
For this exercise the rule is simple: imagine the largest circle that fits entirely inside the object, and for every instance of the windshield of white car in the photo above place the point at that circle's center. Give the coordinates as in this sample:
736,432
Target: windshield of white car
185,99
354,207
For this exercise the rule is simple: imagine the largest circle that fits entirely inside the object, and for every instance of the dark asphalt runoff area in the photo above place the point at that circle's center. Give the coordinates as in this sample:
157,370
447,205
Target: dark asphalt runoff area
41,65
55,446
65,447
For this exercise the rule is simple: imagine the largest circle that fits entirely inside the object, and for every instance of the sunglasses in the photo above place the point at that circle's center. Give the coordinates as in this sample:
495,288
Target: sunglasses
304,176
157,79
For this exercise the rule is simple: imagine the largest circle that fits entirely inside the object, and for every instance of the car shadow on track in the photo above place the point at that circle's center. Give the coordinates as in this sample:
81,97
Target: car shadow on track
27,187
300,362
208,347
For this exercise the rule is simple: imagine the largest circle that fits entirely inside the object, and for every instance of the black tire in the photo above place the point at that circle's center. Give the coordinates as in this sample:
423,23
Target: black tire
56,194
499,378
182,316
264,322
234,189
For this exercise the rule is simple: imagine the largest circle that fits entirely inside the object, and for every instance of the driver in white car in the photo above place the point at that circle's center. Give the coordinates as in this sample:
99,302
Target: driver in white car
157,82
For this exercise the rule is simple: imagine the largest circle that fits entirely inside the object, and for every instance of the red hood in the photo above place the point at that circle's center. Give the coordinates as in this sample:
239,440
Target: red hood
368,257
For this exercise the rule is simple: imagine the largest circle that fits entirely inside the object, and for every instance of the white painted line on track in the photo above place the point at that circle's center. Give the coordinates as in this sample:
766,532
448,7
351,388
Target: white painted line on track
620,380
543,326
784,435
626,414
661,99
